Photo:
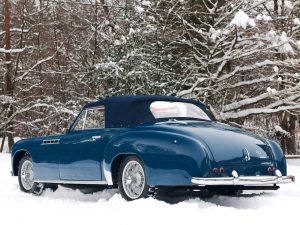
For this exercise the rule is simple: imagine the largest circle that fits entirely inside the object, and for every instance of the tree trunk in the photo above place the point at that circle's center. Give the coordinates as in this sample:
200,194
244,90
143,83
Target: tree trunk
276,13
2,143
291,143
288,143
8,84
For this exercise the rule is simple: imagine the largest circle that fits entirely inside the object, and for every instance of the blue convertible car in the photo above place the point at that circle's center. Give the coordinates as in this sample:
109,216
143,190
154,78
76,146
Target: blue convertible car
144,143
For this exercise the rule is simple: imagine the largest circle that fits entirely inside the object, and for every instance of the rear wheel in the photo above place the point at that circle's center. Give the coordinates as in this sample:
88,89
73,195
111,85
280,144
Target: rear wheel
131,179
26,177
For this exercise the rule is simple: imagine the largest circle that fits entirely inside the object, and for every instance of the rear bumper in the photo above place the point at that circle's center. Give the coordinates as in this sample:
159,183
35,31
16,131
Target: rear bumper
244,180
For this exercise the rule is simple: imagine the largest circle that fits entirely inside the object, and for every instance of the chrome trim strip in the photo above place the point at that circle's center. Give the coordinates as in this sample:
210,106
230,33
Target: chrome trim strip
108,177
95,138
244,180
51,142
71,181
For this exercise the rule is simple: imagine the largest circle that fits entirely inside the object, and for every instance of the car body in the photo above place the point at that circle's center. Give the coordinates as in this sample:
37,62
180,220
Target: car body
172,142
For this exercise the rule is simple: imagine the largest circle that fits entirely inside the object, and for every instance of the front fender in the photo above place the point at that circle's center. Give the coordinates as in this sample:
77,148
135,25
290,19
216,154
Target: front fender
19,149
169,159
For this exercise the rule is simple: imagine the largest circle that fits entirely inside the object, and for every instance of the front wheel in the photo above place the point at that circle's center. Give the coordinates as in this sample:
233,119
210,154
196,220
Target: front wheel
26,177
131,179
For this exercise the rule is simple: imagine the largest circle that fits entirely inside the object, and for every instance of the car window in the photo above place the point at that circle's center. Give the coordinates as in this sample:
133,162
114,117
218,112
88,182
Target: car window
80,121
165,109
90,119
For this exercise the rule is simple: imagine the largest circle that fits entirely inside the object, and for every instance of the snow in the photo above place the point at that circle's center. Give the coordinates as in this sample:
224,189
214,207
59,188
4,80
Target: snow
263,17
2,50
146,3
139,9
271,90
271,35
151,18
296,21
131,31
280,130
117,43
285,47
214,34
241,19
67,206
288,5
19,30
280,41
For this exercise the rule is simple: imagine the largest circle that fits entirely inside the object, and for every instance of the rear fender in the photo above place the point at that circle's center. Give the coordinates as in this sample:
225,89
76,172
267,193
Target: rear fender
279,157
169,159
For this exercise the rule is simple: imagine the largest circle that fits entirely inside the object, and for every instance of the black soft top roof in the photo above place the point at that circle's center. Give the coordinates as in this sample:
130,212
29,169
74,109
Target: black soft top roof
127,111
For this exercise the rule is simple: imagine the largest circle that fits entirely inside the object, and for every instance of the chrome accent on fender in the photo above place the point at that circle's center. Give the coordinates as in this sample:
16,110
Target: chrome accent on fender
278,173
244,180
235,177
234,174
71,181
50,142
108,177
95,138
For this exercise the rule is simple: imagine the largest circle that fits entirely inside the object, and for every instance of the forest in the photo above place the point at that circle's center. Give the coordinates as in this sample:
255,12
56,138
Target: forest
241,58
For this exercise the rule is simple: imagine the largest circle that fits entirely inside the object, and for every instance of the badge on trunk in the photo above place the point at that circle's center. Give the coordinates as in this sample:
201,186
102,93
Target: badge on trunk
246,155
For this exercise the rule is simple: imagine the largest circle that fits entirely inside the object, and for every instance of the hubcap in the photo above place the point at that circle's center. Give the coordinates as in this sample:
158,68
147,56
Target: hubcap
27,175
133,179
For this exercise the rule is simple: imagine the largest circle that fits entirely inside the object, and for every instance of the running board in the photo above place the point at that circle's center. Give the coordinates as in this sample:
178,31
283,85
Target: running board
71,181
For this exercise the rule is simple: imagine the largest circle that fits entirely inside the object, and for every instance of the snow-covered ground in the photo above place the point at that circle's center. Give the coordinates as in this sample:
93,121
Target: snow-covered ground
67,206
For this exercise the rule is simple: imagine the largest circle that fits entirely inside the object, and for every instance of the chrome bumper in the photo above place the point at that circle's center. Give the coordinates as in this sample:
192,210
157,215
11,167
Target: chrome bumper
244,180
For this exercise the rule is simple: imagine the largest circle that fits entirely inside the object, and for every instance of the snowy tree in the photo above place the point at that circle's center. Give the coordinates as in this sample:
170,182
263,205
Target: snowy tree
226,54
240,57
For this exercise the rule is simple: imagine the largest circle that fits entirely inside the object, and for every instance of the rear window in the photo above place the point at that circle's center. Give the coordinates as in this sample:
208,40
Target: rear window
165,109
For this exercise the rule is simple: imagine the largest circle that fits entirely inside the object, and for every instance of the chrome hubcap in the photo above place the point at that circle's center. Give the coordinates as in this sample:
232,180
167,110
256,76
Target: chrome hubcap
27,175
133,179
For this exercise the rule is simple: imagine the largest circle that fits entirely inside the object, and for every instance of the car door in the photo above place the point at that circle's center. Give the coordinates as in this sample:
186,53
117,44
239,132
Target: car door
82,147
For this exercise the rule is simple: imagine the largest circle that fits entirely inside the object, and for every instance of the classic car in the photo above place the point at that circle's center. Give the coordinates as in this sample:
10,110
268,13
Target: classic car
144,143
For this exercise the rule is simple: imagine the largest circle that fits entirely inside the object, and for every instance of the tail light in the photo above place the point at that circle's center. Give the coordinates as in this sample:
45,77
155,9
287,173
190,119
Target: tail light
222,170
270,170
215,171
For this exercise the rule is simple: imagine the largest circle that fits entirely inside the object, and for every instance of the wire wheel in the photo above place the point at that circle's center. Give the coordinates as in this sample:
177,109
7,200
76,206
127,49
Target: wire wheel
27,175
132,180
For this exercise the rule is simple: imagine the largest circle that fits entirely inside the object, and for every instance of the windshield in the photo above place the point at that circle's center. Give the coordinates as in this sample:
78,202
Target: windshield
165,109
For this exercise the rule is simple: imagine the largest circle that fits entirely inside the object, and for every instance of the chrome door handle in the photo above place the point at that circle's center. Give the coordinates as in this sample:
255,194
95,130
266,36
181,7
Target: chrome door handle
95,138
